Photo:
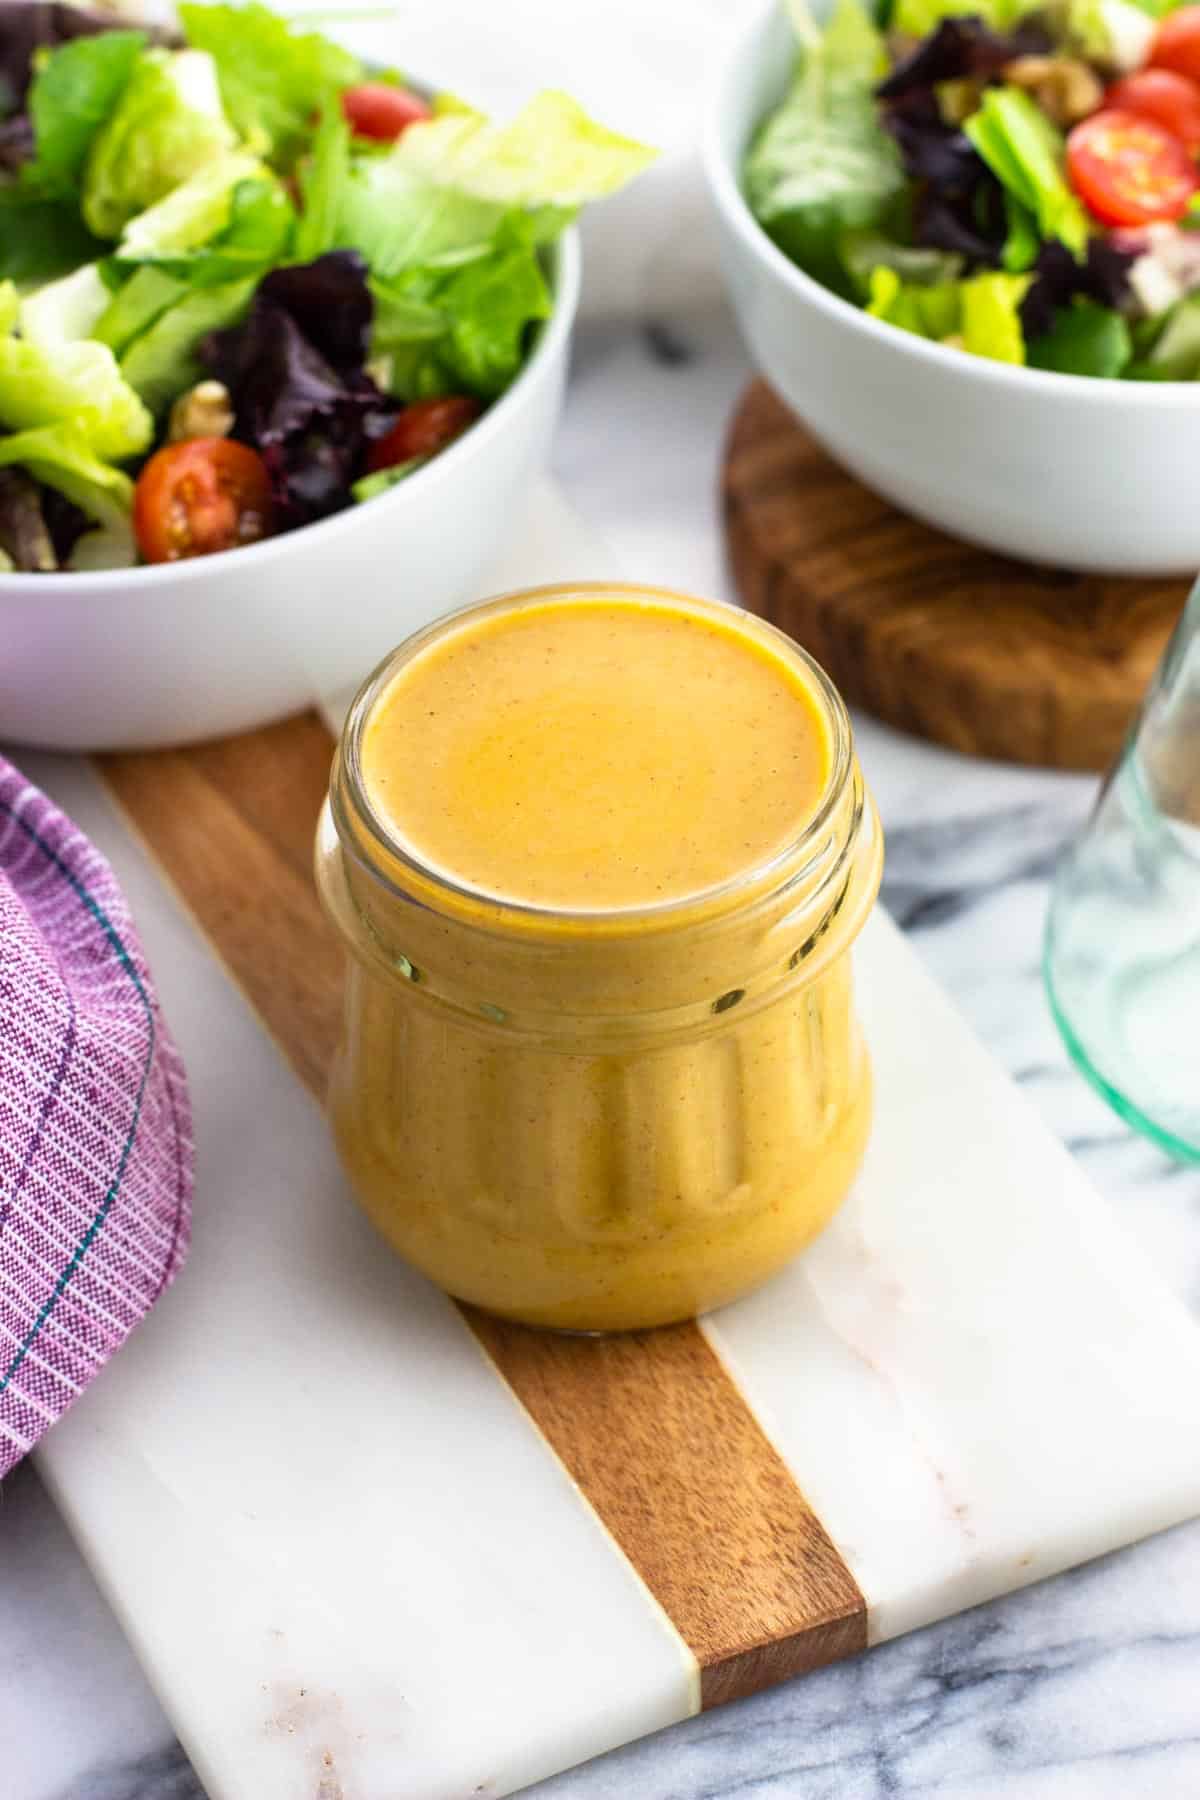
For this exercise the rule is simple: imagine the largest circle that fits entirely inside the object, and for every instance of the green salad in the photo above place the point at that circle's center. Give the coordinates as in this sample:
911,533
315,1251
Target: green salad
245,282
1013,178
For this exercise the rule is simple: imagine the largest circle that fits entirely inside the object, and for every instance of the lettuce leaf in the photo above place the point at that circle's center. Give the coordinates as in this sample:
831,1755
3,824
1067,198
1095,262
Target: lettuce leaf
990,325
399,220
1022,243
1173,354
69,383
822,164
193,213
371,486
137,303
256,234
862,252
930,310
1085,339
61,457
72,95
325,184
167,125
465,328
981,315
915,18
444,195
551,154
1025,151
274,81
65,309
164,359
41,239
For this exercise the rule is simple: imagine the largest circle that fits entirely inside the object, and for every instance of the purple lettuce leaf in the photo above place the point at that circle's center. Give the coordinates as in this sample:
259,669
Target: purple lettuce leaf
960,49
296,370
1058,278
39,527
958,204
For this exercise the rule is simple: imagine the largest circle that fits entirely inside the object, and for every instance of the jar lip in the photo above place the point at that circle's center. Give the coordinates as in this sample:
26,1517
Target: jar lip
754,878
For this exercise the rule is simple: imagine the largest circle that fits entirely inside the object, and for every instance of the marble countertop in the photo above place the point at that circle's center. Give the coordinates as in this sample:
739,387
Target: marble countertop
1080,1689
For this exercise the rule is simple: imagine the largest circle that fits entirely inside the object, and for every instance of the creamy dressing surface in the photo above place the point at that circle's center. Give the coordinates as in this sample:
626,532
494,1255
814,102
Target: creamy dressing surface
596,754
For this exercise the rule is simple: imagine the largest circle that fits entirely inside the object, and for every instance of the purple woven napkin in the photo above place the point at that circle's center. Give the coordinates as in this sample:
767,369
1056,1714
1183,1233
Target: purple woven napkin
95,1131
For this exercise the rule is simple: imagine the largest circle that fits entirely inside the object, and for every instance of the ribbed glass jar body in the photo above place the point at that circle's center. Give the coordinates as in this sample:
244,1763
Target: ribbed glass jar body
607,1120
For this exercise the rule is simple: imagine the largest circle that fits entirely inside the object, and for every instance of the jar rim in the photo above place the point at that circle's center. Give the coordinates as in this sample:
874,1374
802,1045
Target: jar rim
759,877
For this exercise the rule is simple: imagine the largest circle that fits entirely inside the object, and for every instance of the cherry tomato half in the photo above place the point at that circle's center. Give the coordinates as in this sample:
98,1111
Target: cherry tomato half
378,111
1128,170
202,495
1177,43
1171,100
423,429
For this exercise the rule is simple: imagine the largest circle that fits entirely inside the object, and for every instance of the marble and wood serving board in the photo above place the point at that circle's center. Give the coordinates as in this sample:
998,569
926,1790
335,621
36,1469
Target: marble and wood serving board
371,1546
934,636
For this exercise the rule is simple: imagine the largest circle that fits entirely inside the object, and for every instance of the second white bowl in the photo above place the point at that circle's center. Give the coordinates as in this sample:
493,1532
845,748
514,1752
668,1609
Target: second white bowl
1058,469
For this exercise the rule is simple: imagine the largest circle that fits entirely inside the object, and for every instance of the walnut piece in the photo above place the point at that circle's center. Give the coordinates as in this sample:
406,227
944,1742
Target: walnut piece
204,411
1065,88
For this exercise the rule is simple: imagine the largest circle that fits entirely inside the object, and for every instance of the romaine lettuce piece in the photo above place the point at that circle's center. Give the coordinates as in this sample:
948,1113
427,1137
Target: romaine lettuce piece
371,486
193,213
162,362
1022,244
325,185
1024,150
66,309
274,81
930,310
77,383
255,235
551,154
916,18
486,309
168,124
980,315
399,220
991,316
61,457
442,195
822,163
141,299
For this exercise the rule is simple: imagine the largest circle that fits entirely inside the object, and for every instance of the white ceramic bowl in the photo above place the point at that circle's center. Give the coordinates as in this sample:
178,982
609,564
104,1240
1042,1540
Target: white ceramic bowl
135,658
1058,469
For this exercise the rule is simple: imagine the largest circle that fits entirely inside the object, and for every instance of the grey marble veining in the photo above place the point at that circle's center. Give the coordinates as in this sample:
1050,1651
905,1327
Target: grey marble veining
1084,1688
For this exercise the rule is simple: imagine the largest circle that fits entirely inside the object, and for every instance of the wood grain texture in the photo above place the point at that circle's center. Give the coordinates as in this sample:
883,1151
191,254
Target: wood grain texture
662,1444
650,1426
988,656
232,827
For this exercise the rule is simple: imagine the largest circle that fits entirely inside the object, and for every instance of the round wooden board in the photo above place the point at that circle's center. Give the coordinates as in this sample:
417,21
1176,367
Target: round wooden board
991,657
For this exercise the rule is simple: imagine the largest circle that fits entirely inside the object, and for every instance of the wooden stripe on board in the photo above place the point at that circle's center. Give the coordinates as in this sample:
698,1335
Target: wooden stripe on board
649,1425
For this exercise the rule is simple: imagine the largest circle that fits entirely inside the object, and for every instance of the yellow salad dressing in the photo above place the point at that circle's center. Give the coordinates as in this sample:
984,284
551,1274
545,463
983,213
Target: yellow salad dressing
599,854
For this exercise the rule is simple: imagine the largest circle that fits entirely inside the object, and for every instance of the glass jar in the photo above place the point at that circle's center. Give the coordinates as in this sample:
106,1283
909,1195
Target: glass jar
1122,957
601,1120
